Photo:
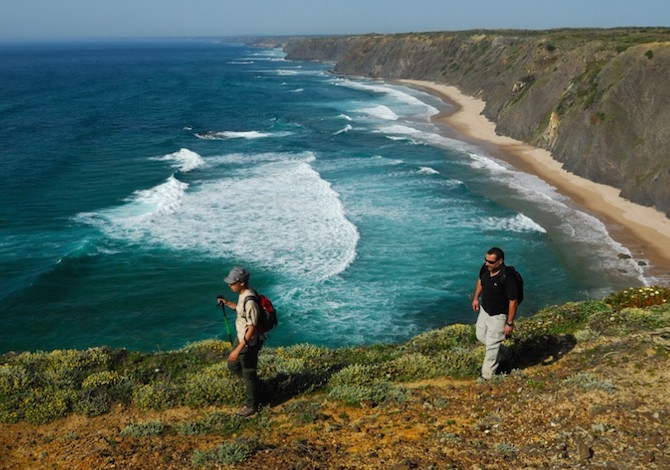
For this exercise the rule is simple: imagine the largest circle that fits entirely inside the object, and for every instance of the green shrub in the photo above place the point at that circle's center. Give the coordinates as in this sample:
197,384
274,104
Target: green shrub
647,319
98,390
375,393
356,384
564,319
44,405
230,453
306,352
273,364
375,354
412,366
104,378
10,412
452,336
208,346
159,396
147,429
355,374
205,352
294,360
13,379
639,297
589,381
506,448
462,362
586,334
213,386
64,368
212,423
93,403
631,319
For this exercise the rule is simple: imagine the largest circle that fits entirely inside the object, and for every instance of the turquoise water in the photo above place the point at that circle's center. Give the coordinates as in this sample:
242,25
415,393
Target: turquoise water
136,174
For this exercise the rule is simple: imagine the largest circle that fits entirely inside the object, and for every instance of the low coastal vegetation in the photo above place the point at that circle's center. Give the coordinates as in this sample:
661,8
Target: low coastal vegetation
41,387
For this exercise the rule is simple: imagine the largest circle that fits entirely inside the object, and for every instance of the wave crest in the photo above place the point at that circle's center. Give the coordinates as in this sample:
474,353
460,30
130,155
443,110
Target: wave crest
185,160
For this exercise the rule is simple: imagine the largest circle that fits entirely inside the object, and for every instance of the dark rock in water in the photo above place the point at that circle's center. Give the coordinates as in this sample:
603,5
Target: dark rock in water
624,256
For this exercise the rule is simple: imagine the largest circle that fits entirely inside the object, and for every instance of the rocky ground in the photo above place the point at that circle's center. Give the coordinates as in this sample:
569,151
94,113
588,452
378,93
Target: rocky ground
603,404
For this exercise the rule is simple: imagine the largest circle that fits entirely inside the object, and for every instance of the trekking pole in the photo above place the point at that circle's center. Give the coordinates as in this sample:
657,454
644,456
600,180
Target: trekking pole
225,320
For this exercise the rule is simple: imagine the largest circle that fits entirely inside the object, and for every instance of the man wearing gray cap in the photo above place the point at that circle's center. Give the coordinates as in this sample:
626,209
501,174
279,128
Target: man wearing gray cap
243,359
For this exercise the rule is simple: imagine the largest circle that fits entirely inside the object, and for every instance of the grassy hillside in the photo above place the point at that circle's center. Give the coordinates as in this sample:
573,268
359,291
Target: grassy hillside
587,384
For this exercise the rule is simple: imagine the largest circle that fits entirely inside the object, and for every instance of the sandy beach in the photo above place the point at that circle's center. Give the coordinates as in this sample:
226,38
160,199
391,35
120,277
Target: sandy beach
645,231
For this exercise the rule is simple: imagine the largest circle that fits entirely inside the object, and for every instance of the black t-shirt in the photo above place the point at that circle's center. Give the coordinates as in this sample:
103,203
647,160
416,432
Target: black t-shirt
497,291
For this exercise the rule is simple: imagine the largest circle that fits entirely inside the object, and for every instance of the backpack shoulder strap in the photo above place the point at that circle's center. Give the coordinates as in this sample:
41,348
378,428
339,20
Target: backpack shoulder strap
482,270
253,297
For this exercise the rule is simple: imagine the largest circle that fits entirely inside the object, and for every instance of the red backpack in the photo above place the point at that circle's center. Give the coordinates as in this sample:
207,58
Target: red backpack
268,316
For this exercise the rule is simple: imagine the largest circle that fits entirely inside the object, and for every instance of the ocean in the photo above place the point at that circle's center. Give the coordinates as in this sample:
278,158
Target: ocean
135,174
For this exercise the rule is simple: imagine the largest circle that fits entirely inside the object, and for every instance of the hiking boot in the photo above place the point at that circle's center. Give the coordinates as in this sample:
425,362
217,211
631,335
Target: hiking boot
246,411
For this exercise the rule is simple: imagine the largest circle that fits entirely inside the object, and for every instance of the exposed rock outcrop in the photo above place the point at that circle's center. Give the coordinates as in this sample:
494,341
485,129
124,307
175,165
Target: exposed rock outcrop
598,100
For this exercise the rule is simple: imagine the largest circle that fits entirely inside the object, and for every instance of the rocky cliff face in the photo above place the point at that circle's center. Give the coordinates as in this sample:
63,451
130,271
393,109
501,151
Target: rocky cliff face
599,100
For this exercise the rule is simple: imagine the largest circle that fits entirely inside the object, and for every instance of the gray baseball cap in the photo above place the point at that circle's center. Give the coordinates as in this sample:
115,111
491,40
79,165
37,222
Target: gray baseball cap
238,273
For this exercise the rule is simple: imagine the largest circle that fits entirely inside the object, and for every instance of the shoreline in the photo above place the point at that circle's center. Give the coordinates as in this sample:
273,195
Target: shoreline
644,231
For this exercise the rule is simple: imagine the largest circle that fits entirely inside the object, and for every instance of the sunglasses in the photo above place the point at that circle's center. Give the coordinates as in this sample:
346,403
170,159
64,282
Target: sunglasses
490,262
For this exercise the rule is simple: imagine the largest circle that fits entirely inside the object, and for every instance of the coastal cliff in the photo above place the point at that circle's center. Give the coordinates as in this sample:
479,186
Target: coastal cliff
598,100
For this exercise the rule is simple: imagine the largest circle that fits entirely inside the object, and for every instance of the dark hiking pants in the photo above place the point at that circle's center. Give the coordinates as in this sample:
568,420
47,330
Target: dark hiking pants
246,368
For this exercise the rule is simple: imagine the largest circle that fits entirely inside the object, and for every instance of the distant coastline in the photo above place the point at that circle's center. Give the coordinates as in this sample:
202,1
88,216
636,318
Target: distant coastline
645,231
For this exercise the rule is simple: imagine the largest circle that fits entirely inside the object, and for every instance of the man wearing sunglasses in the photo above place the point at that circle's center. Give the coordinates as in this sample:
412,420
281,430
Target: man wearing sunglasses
497,309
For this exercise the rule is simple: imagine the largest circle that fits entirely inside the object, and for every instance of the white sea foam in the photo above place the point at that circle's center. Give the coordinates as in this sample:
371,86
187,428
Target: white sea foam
247,159
345,117
400,131
426,170
481,162
387,161
221,135
185,160
274,211
143,209
272,55
162,200
380,112
298,90
519,223
583,228
586,230
346,128
401,95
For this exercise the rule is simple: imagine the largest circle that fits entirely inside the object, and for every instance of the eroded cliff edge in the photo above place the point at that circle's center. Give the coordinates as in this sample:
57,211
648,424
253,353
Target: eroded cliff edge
598,100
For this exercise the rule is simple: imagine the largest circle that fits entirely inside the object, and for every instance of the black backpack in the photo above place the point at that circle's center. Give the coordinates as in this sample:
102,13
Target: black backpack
519,282
268,316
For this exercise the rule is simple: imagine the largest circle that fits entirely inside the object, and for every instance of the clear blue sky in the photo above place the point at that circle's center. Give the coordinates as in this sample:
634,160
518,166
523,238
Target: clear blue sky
71,19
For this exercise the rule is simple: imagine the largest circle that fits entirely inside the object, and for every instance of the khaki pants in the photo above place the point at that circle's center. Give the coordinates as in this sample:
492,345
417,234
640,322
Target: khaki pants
491,333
